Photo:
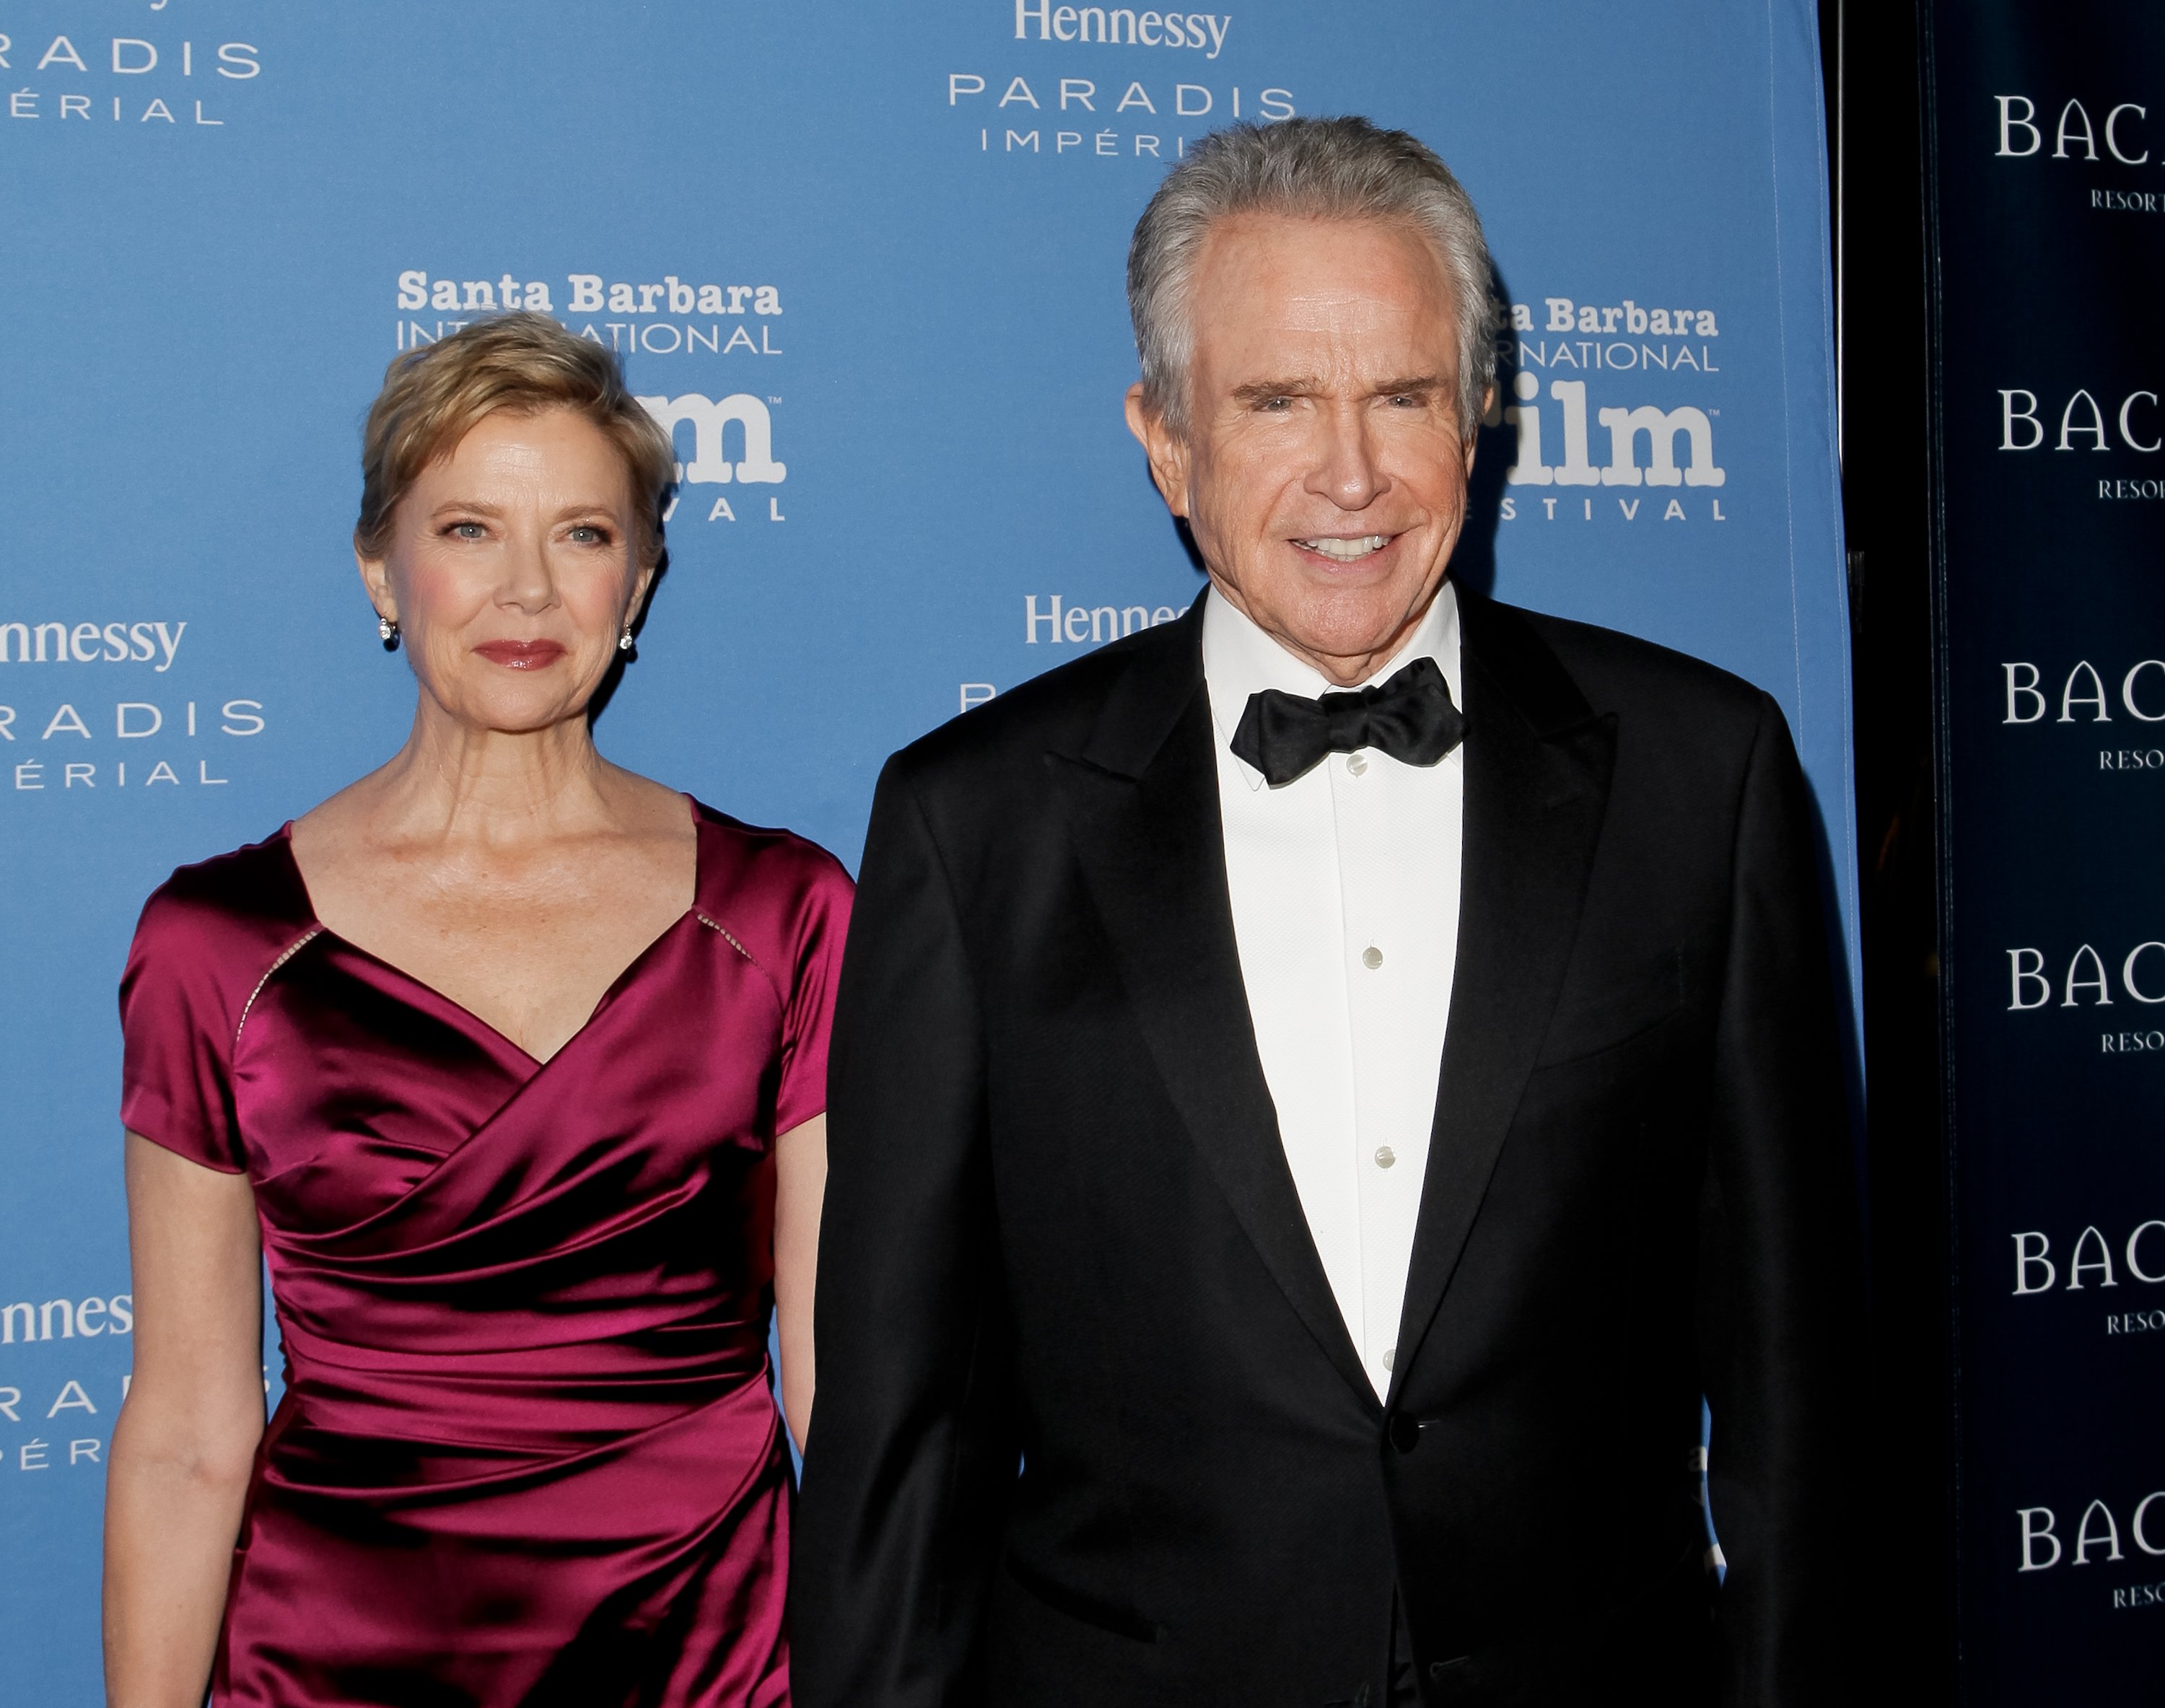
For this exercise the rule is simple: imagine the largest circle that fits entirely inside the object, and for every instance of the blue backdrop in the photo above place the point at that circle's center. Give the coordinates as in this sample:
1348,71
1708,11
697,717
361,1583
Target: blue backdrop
869,256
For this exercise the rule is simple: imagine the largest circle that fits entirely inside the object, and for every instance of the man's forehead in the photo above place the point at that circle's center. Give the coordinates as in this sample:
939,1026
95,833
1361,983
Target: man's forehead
1302,277
1257,240
1335,311
1306,340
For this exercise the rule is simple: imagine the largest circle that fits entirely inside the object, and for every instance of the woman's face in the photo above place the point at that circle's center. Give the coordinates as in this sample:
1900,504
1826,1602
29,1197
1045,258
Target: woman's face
513,567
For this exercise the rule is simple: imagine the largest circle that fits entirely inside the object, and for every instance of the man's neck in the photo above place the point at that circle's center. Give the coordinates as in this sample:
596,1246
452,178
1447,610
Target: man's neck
1338,671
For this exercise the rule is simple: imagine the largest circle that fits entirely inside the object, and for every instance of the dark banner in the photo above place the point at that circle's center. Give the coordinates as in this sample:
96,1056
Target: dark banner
2046,129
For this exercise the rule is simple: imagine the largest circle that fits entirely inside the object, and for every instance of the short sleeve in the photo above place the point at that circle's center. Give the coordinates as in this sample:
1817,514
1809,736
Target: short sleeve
823,922
177,1027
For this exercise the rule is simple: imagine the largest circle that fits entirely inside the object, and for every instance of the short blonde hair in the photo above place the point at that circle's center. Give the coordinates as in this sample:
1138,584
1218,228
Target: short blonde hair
436,394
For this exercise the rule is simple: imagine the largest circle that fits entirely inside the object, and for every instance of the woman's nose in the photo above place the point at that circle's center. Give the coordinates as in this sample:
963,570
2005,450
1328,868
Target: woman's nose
527,582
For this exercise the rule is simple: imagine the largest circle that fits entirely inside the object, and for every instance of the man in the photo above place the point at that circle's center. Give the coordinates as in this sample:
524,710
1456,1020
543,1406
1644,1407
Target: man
1299,1158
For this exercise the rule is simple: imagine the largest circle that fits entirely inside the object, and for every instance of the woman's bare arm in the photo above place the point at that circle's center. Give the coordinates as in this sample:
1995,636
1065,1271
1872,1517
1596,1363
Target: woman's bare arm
800,1158
185,1440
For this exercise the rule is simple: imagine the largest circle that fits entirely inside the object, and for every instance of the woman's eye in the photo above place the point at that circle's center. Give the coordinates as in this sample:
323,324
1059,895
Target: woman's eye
468,531
588,534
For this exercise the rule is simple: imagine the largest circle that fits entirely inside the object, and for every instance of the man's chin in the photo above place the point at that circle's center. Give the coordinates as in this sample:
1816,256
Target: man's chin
1347,654
1338,622
1348,620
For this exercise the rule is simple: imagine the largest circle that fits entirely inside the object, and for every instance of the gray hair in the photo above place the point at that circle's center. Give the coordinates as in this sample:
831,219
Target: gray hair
1312,168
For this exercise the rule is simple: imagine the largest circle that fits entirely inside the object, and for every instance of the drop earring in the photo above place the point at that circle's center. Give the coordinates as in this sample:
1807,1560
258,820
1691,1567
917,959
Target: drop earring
387,630
623,640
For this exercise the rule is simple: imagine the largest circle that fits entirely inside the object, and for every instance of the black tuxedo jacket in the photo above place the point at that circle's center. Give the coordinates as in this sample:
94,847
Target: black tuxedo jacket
1060,1229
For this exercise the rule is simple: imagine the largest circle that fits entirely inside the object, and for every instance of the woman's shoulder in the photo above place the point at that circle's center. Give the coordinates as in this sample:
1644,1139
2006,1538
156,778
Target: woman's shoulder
228,911
766,851
768,883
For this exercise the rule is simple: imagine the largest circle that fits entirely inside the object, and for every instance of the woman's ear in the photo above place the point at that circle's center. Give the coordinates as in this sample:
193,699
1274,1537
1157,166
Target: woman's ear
375,578
642,586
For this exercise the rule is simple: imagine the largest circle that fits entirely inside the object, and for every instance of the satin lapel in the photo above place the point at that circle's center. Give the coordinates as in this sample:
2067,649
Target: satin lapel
1143,818
1538,765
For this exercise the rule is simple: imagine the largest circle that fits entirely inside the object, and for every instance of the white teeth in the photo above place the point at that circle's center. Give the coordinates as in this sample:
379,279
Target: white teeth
1346,551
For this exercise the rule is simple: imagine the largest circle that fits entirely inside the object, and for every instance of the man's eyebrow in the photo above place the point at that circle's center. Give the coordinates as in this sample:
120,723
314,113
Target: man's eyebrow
1410,383
1262,391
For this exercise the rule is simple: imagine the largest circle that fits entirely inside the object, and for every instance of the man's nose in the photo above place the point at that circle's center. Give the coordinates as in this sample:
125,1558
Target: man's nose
1346,471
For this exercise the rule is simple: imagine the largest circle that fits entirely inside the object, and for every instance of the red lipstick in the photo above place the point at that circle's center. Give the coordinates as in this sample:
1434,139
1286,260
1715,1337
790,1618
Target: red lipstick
521,655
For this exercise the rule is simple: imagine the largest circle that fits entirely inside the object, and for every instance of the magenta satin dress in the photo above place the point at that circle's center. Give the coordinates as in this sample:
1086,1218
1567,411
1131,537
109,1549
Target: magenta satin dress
527,1452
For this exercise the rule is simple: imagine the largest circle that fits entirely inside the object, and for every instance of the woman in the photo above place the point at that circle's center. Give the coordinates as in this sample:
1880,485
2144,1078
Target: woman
518,1060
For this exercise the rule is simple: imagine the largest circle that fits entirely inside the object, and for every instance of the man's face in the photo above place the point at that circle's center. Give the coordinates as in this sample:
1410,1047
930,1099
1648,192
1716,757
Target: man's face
1323,472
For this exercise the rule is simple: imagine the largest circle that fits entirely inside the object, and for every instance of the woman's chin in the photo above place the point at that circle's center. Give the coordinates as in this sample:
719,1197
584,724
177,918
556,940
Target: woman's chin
507,712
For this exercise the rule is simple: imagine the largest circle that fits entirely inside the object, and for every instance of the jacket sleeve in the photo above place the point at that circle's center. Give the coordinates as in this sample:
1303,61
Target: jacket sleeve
912,1454
1780,1283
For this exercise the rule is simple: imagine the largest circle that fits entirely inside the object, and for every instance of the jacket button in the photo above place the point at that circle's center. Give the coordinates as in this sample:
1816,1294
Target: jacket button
1406,1432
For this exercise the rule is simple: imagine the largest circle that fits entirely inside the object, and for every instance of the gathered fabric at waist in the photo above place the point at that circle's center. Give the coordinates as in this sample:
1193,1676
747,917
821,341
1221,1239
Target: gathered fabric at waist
357,1419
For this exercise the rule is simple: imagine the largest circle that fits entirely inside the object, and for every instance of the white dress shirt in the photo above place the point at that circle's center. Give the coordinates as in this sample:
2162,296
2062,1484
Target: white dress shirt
1345,889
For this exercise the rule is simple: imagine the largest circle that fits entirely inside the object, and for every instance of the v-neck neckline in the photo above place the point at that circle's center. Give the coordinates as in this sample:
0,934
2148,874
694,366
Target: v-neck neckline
624,977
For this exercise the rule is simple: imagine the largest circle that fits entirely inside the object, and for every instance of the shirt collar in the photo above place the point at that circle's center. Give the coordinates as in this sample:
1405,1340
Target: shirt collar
1240,659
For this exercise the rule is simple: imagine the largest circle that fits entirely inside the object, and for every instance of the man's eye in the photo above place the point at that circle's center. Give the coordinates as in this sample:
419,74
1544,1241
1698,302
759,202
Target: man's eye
1280,405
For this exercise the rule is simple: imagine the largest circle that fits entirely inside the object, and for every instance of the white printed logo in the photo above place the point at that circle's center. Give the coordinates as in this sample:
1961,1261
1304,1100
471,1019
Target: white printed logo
707,418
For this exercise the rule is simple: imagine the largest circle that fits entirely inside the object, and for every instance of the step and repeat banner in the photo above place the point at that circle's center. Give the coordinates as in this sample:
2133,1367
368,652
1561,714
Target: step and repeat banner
2048,145
866,261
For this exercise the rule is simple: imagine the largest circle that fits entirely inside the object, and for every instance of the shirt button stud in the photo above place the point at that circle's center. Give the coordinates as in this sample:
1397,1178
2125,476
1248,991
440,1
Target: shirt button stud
1385,1156
1356,763
1372,957
1390,1357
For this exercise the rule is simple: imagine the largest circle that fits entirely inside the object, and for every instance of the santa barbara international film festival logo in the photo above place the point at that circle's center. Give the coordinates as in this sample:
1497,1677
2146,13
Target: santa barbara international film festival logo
731,329
1587,359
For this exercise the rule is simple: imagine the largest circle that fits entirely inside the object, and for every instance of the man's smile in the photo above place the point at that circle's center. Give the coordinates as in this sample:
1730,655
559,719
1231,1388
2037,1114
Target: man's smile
1346,551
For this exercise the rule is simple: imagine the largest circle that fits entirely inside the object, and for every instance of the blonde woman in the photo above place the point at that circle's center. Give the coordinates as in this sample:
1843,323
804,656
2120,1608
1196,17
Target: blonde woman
511,1063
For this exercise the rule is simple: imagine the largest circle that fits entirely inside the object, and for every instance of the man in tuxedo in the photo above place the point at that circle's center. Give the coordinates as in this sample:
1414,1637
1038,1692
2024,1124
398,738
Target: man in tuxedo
1322,1089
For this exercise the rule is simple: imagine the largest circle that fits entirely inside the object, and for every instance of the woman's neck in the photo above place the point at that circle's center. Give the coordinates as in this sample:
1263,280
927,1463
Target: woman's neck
454,783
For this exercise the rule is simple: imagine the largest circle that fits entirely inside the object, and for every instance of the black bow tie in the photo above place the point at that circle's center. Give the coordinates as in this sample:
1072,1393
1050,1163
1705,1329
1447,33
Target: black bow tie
1412,717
